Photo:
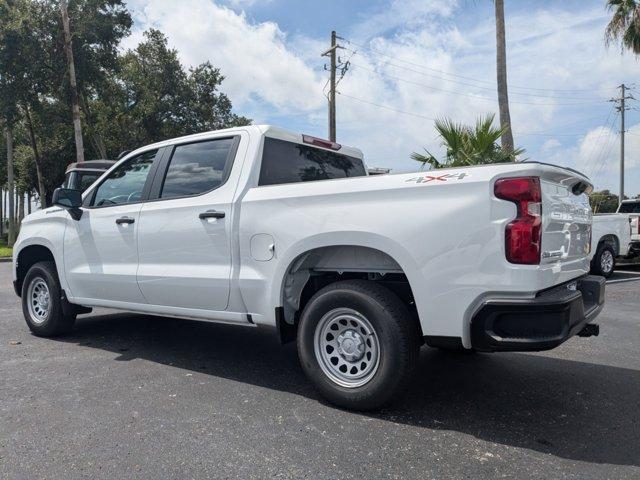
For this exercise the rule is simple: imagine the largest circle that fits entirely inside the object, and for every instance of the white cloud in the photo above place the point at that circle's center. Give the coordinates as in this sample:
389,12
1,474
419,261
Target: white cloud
550,145
597,155
244,4
405,14
253,57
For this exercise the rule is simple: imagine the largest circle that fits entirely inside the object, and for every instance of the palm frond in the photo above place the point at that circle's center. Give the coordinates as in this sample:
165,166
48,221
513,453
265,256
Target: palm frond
465,145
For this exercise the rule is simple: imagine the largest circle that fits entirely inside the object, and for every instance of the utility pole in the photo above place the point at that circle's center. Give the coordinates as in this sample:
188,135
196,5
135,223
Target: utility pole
335,64
621,107
331,53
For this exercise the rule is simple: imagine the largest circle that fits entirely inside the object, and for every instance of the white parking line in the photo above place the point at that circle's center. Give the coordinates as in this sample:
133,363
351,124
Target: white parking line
622,280
629,272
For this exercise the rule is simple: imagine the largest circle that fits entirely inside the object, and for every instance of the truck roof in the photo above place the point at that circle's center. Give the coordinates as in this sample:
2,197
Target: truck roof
266,130
91,165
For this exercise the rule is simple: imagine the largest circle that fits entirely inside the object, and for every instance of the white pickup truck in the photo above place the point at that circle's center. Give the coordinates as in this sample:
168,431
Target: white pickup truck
631,208
610,238
260,227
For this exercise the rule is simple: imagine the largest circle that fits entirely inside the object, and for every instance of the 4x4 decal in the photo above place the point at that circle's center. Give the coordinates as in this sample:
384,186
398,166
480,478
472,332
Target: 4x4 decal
438,178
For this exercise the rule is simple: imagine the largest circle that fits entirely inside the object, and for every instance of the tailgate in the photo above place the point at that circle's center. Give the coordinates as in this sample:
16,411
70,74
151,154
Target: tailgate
566,217
634,221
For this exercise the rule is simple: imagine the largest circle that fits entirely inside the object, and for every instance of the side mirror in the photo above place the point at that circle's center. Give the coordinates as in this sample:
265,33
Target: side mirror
68,199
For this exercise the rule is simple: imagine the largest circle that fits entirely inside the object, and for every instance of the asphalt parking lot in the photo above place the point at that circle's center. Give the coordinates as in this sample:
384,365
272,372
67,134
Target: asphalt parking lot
127,396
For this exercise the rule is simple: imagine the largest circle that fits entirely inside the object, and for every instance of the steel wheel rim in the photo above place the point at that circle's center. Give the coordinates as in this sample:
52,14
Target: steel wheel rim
606,261
347,347
38,300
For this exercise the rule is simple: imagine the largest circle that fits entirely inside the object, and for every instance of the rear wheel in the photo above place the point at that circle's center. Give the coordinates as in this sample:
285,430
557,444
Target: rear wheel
42,301
357,344
604,261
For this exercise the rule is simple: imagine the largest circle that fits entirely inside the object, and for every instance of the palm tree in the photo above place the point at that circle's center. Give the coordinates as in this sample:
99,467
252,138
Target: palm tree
624,25
501,67
467,145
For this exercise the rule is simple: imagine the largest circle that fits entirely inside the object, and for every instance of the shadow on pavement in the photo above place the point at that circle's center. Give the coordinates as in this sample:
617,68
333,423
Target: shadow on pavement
574,410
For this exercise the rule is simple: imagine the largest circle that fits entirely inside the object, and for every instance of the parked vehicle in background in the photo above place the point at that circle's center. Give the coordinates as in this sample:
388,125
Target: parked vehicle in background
610,238
632,209
80,176
260,227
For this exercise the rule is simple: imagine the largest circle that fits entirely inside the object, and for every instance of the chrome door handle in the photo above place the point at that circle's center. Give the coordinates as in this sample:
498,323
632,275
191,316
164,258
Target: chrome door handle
125,220
211,214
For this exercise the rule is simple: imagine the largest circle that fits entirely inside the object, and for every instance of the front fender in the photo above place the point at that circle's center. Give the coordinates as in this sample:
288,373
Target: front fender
44,228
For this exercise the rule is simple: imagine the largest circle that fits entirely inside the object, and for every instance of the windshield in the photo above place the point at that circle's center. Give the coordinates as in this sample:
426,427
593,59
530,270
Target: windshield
80,180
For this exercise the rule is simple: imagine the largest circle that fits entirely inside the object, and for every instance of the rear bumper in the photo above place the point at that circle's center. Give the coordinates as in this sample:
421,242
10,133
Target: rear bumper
540,323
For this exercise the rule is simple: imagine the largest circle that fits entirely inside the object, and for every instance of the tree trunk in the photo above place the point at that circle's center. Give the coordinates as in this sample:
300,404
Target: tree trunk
29,203
75,107
96,138
1,214
501,65
20,207
11,239
36,155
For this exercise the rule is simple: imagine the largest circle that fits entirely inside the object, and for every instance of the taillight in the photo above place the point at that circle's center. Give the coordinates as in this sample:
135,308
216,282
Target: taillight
523,234
320,142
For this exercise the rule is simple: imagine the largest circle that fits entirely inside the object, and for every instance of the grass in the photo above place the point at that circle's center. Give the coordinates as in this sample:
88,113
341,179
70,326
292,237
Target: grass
4,250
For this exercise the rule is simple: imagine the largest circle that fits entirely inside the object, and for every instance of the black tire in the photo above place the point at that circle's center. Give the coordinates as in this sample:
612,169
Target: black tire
54,322
397,335
604,252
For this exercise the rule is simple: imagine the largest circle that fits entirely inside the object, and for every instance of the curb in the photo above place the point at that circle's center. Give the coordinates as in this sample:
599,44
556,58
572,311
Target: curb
6,260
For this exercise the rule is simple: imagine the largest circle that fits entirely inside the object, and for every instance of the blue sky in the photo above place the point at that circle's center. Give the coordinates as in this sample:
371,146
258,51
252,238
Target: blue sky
413,61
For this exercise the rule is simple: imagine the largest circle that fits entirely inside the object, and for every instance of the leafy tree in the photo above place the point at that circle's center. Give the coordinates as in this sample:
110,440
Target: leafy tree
624,26
98,27
466,145
207,107
33,81
604,201
153,98
127,99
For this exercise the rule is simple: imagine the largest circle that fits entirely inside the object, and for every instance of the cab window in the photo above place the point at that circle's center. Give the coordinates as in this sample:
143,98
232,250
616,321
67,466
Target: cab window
288,162
126,183
197,168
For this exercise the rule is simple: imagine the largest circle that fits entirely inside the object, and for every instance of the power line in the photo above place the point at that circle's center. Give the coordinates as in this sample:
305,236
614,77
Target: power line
558,127
418,115
605,149
377,52
453,92
597,142
386,107
491,89
592,161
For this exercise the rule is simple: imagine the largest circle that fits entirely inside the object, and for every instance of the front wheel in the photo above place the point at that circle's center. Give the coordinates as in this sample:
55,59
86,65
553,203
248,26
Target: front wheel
42,301
357,344
604,261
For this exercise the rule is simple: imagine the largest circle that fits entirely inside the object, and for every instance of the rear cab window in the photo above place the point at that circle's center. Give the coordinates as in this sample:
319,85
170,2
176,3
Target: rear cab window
289,162
630,207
